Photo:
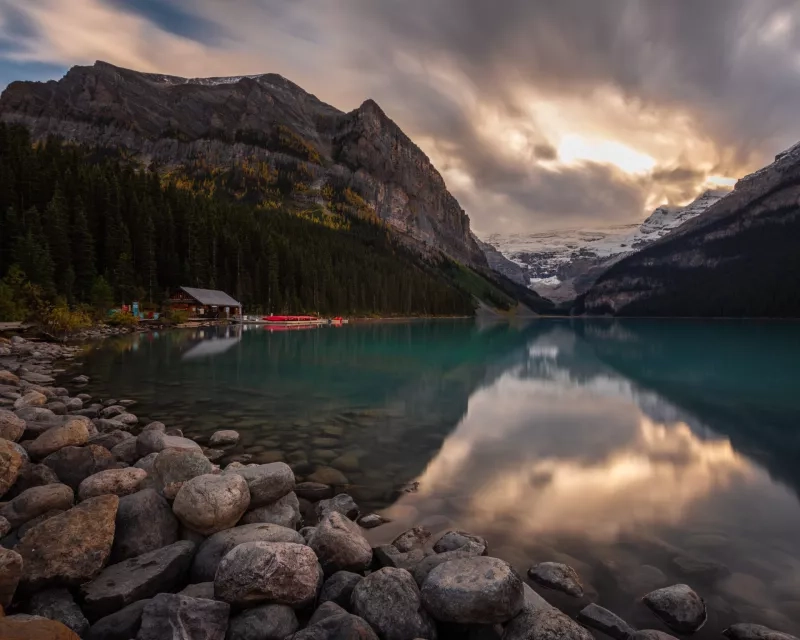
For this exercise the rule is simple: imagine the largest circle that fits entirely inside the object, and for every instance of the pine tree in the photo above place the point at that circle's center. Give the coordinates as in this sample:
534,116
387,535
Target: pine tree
56,223
83,259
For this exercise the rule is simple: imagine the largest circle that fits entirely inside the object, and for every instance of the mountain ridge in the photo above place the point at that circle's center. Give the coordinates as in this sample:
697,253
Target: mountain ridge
171,122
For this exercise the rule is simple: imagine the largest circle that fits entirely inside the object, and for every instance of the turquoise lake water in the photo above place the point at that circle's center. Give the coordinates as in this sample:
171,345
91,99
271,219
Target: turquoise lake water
643,453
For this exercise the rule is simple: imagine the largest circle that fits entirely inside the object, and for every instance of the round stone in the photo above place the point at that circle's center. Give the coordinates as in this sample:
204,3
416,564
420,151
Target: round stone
210,503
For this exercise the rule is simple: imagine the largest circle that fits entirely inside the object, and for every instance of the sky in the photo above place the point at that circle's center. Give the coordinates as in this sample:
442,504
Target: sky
539,114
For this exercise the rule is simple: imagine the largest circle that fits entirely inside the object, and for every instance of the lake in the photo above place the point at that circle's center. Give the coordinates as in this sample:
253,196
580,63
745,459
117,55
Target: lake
642,453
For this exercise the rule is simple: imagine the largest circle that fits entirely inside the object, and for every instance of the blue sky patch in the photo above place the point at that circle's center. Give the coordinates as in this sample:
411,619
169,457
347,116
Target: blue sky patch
167,15
11,71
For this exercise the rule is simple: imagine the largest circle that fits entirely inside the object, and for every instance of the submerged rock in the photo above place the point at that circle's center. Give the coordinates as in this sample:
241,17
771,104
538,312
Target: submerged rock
313,491
170,616
275,572
558,576
408,540
478,590
679,607
389,600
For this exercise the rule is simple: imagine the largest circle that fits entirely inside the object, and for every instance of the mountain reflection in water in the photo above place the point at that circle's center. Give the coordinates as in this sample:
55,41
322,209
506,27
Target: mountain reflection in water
643,453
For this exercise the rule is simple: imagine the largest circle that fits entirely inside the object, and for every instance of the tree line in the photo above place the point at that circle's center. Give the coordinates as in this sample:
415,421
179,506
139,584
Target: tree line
86,227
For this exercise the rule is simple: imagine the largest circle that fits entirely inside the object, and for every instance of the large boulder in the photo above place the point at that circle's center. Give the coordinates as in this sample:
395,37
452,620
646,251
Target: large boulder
35,501
275,572
746,631
545,623
478,590
340,546
145,522
118,585
422,568
603,620
339,588
10,465
557,576
74,464
210,503
10,574
173,467
34,628
70,548
120,482
266,482
284,512
389,600
11,427
58,604
679,607
73,433
170,616
267,622
214,548
121,625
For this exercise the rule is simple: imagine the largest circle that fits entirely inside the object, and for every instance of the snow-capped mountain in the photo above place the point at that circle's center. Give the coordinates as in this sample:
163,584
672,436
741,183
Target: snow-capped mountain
563,264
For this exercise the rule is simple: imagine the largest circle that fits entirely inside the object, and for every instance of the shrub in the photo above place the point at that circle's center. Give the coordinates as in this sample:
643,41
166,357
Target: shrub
61,321
176,316
122,319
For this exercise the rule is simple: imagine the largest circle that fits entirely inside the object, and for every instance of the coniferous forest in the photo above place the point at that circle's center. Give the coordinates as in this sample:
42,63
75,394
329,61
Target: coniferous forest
86,227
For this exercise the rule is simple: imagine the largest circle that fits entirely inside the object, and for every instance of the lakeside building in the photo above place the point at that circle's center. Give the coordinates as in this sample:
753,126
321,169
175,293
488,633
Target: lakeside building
208,303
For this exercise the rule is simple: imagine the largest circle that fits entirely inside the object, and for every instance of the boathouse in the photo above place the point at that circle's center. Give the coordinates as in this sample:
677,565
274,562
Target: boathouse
207,303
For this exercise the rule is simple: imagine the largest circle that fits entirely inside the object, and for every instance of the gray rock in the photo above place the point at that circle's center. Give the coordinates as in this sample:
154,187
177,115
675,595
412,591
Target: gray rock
11,462
596,617
340,546
214,548
111,440
479,590
153,440
339,626
58,604
10,575
11,426
37,378
284,512
144,523
408,540
74,404
533,601
122,625
267,482
118,585
545,624
339,588
35,501
267,622
422,568
120,482
210,503
127,419
73,465
307,532
170,616
558,576
341,503
313,491
39,414
199,590
389,600
146,463
5,526
652,634
112,411
32,475
679,607
453,540
224,438
745,631
274,572
371,521
80,379
126,451
173,467
57,407
387,555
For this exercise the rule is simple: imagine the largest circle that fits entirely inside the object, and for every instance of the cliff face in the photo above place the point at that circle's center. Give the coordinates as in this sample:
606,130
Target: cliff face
221,122
741,257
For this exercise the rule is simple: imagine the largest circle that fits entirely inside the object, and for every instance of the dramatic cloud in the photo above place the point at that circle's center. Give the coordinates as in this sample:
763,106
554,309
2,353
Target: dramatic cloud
539,114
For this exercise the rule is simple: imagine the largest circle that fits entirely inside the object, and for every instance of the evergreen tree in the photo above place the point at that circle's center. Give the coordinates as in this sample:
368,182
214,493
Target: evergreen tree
83,258
56,223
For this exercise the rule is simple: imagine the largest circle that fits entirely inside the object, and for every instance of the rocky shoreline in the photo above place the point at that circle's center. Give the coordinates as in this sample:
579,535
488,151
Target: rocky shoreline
111,529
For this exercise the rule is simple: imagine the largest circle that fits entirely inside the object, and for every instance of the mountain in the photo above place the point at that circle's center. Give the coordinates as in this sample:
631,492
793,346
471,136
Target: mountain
563,264
740,258
258,137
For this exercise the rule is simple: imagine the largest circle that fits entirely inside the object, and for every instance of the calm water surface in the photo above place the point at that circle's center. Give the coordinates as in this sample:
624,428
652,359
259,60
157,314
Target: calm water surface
642,453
